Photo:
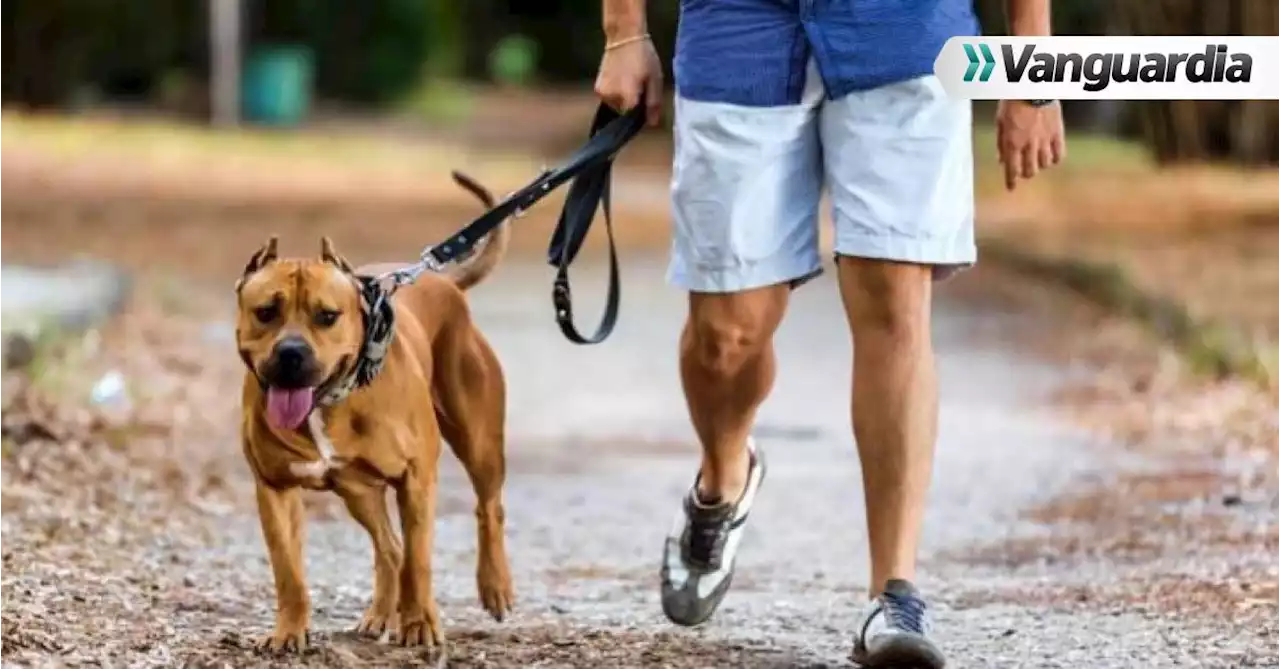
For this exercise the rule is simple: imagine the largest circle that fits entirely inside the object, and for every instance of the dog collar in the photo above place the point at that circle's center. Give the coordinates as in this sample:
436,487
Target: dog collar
379,326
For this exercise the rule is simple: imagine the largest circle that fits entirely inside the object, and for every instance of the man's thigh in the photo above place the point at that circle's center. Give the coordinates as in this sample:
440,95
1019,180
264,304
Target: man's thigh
745,188
899,167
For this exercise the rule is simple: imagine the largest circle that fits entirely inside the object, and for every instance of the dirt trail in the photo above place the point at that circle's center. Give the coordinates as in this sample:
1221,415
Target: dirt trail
134,563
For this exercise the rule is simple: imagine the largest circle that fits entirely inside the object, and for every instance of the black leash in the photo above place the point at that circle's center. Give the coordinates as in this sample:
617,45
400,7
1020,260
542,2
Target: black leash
590,169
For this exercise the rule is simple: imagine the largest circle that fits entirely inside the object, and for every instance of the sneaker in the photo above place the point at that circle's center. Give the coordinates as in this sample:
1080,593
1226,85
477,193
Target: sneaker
698,556
894,631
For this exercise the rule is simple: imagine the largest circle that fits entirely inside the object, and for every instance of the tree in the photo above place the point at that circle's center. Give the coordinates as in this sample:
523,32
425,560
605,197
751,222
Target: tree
1241,131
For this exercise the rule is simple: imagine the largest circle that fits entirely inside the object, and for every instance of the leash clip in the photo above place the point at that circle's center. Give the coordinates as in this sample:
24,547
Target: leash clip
428,262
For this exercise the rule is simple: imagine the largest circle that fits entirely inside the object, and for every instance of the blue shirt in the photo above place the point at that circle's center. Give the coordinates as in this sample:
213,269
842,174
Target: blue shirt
755,52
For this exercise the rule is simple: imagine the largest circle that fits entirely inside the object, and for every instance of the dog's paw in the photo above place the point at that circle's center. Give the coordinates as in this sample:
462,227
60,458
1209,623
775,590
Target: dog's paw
285,640
375,623
421,633
497,595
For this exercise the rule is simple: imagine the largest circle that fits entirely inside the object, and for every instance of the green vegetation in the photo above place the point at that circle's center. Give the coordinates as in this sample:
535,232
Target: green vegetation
514,60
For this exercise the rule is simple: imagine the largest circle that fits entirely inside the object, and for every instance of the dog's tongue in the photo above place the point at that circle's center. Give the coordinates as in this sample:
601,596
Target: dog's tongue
287,408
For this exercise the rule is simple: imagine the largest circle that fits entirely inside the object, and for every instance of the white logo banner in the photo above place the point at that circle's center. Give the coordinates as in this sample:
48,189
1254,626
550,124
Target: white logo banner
1110,68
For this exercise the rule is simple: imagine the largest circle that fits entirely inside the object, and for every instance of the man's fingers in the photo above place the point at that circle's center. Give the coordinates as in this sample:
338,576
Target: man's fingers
653,100
1058,147
1027,159
623,100
1010,171
619,98
608,97
1008,152
1045,156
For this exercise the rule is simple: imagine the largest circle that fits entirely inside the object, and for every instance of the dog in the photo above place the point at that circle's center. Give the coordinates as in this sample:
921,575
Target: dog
302,331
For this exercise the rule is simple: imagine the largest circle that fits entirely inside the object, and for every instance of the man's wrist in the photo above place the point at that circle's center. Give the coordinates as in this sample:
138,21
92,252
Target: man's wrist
1040,103
624,19
631,30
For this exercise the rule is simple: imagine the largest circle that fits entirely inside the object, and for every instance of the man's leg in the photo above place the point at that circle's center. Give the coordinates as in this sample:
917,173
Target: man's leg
745,194
899,165
727,368
895,404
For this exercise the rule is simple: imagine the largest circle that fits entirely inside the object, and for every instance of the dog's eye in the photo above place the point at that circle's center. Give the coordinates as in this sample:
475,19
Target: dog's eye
326,317
266,314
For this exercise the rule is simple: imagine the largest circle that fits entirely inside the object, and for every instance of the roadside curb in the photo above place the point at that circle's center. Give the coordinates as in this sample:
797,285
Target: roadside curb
1207,346
39,303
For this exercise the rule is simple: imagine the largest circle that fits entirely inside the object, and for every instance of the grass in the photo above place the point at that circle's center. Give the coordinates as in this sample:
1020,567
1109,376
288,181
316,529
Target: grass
439,101
160,140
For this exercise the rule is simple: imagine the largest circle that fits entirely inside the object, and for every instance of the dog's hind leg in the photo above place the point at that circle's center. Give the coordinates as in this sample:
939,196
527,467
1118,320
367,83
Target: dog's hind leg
368,505
471,409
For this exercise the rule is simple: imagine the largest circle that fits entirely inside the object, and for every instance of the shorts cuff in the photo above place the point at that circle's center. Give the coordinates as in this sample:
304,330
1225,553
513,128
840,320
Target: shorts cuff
745,277
946,257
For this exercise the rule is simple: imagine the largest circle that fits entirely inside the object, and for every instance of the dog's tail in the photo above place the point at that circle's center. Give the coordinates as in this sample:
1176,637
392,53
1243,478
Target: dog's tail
480,263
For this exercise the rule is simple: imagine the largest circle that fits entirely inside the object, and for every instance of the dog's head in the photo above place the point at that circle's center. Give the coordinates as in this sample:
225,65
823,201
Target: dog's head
299,325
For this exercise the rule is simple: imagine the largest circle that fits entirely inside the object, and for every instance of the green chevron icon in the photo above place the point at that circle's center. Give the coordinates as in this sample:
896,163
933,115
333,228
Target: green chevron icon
987,57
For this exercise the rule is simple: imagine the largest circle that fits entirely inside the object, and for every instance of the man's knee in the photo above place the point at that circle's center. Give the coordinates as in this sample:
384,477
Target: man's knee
886,298
725,332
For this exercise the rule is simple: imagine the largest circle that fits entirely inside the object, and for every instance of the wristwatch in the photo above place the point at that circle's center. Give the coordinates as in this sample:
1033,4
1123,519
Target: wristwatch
1040,103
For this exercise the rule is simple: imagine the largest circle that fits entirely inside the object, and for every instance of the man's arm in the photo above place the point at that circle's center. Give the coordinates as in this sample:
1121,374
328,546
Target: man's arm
1027,18
629,67
624,19
1029,137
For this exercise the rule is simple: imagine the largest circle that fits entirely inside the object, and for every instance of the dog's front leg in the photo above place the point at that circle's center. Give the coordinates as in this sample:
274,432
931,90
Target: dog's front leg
419,618
282,526
368,505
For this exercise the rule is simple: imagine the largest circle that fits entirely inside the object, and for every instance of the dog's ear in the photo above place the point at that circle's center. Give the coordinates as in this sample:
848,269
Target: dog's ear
261,258
329,255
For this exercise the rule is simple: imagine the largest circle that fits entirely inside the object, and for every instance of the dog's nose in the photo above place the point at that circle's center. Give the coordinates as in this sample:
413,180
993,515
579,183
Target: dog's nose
292,353
292,365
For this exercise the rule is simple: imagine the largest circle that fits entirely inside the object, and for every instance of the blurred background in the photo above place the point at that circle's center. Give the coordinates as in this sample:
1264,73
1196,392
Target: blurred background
149,148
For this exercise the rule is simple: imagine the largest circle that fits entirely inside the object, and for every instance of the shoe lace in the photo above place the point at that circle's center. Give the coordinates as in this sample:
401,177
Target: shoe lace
904,612
705,539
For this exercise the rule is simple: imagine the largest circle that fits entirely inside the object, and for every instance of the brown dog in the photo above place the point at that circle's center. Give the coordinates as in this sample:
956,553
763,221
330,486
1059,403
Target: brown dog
301,331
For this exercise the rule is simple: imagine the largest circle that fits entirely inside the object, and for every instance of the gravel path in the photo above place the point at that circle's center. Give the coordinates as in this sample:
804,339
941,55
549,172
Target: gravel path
599,454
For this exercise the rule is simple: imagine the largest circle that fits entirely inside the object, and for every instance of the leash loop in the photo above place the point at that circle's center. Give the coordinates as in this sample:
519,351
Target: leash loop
589,169
590,192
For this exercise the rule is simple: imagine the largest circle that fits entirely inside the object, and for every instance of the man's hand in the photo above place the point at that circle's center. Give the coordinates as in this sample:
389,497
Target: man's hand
1029,139
628,71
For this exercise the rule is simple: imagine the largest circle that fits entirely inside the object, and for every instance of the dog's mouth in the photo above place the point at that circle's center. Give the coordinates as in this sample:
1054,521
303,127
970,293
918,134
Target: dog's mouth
287,408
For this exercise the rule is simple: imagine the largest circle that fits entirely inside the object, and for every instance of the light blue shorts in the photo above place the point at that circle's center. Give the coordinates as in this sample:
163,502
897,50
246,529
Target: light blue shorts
896,160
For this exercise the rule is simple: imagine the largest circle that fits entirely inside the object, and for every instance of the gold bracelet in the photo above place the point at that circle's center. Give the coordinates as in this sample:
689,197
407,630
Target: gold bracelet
623,42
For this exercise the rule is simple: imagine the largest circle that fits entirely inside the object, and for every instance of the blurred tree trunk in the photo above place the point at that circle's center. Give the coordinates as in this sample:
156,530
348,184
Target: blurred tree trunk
1240,131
